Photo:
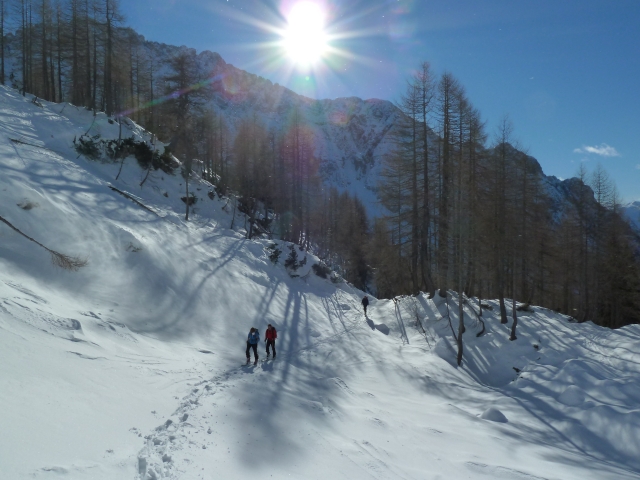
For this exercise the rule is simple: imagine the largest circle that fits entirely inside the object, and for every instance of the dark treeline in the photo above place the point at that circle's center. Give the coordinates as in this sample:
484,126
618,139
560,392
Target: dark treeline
466,210
471,213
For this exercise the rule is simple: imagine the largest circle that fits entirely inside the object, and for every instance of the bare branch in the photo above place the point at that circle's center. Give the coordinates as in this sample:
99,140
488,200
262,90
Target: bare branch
61,260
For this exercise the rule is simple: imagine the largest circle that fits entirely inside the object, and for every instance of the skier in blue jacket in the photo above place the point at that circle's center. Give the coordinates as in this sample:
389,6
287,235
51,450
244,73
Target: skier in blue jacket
252,343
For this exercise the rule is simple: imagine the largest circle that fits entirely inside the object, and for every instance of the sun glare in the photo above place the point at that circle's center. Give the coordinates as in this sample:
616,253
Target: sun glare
304,38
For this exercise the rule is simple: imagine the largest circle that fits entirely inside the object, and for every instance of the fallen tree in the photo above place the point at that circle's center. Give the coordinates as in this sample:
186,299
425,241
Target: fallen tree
61,260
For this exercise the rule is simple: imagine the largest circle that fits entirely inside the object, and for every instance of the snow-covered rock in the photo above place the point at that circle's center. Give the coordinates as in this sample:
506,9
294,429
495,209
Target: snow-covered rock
494,415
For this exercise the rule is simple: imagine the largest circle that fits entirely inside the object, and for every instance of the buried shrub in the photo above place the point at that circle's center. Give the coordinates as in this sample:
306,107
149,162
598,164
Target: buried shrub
321,270
88,147
292,263
95,148
192,199
292,259
274,253
147,157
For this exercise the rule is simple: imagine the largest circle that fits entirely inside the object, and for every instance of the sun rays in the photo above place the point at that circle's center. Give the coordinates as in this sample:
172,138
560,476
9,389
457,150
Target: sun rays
306,44
304,39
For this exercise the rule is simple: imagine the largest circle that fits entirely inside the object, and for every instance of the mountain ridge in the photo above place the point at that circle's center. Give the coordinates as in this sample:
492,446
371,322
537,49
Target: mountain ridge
351,135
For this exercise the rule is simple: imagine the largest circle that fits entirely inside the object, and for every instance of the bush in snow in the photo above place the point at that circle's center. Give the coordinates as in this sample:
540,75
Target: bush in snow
292,263
246,205
88,147
192,199
27,205
146,156
274,253
335,278
321,270
95,148
292,259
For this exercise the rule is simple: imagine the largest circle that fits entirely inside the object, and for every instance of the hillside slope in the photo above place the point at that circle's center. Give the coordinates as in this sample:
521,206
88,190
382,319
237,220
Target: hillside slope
131,367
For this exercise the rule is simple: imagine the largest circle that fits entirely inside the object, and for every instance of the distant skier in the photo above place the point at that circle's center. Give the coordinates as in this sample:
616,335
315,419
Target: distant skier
252,343
270,339
365,303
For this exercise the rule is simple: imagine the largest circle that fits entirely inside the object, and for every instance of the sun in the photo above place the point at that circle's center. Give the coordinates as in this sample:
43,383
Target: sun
304,38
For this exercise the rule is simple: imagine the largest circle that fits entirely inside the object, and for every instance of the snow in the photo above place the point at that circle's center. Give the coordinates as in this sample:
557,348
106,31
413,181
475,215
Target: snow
131,367
494,415
632,213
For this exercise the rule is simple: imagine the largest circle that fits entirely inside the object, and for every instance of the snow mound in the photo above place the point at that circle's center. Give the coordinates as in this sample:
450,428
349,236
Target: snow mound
572,396
494,415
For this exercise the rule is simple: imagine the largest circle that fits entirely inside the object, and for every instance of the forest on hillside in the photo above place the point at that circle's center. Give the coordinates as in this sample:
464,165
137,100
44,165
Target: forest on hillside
466,209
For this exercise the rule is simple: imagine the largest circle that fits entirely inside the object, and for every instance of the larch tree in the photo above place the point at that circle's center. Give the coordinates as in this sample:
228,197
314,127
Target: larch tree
425,85
448,87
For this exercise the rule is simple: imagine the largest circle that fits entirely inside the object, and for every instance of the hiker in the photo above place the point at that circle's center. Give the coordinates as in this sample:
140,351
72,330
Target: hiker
365,302
270,339
252,343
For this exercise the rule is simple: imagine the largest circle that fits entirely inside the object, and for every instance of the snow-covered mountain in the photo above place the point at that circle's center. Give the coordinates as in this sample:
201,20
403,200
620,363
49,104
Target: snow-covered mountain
631,211
350,135
130,367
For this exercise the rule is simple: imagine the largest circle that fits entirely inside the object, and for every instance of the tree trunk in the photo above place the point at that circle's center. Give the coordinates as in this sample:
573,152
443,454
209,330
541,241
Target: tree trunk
2,9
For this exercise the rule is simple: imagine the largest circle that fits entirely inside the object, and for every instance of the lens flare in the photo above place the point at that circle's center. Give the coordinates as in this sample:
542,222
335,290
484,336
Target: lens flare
304,39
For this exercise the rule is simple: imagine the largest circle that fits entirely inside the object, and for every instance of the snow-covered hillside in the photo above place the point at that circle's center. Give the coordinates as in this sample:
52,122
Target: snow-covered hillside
130,367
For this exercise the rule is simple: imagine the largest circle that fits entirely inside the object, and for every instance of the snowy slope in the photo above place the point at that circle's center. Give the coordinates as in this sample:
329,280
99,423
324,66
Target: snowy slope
131,367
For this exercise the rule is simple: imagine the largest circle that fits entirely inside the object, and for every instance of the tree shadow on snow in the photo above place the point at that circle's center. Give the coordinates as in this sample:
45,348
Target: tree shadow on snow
302,385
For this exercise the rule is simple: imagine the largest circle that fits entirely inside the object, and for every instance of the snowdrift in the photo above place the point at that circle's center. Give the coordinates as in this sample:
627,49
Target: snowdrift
131,366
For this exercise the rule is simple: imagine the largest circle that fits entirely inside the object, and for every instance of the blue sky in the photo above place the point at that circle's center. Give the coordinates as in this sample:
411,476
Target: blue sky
567,72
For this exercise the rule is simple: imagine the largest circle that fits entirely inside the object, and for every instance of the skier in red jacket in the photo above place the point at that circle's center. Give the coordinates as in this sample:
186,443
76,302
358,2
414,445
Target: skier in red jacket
270,339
